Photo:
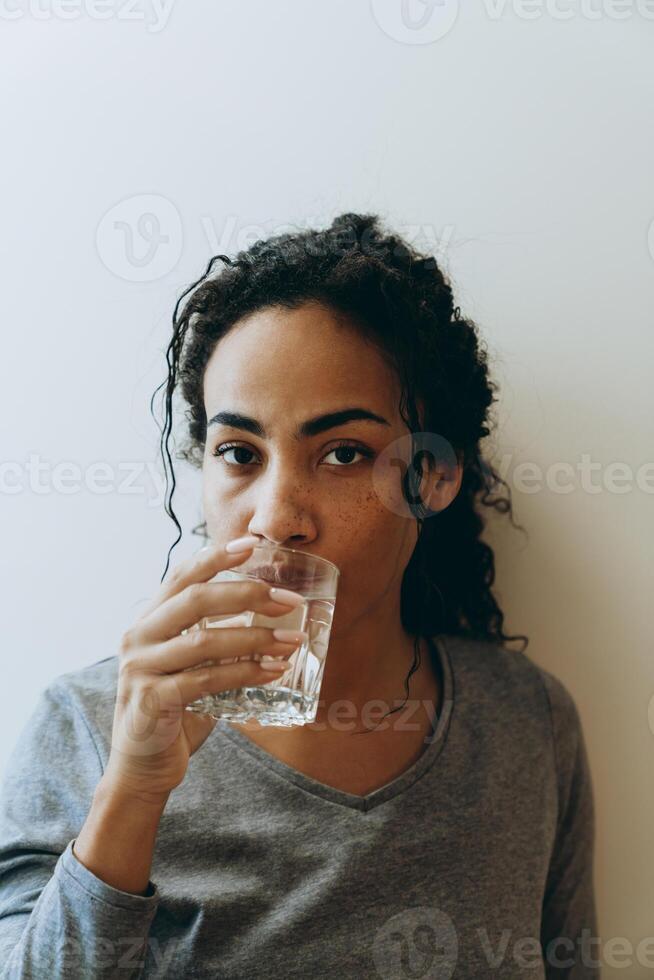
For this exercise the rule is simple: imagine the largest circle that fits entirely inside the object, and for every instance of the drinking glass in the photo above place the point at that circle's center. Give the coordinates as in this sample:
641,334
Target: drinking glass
291,698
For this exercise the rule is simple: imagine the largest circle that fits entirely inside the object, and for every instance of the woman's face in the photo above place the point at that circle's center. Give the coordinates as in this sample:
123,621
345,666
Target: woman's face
283,368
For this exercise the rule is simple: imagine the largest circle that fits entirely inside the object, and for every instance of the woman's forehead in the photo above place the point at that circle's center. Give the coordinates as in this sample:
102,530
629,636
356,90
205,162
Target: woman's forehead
270,362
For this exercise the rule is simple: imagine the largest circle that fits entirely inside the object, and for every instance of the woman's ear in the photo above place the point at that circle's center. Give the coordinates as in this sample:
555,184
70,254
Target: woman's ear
440,485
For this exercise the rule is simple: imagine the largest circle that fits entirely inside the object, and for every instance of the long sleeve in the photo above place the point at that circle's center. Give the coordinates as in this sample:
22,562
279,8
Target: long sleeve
569,937
57,919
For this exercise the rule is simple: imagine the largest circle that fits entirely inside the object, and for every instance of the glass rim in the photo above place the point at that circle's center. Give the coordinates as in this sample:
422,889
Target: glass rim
296,551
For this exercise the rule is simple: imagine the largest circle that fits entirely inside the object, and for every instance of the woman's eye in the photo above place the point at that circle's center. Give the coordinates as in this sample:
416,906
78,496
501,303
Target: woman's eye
220,451
345,450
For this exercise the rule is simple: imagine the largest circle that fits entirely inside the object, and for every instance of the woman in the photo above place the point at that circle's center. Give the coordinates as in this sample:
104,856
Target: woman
456,837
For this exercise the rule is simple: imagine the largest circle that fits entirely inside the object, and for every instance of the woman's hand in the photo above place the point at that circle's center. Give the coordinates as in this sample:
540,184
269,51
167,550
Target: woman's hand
153,736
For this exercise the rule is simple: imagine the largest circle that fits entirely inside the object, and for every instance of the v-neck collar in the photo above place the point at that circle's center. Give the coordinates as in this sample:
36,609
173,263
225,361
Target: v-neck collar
389,790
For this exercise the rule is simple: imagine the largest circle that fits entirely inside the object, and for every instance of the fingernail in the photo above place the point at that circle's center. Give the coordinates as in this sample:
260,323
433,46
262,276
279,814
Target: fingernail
241,544
270,665
286,597
291,636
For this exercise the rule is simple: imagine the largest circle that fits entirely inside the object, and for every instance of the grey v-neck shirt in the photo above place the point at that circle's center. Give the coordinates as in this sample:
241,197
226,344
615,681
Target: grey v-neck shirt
476,862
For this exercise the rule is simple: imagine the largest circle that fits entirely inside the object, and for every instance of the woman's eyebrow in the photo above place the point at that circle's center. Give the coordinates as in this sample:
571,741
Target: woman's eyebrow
312,427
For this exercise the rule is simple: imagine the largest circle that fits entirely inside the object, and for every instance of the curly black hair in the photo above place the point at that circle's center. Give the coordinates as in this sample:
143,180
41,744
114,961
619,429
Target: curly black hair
403,302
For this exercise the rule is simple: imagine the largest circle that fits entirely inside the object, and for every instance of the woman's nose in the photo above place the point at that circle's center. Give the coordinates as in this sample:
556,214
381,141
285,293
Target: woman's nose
282,520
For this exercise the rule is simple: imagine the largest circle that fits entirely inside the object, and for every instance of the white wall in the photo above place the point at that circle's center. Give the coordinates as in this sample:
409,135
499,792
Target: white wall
517,139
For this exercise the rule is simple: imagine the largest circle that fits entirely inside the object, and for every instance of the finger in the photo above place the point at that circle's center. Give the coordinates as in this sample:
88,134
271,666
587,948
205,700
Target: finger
192,685
218,645
200,567
187,608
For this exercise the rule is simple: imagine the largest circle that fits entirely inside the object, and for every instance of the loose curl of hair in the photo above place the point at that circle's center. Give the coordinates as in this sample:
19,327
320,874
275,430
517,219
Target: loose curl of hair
401,301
